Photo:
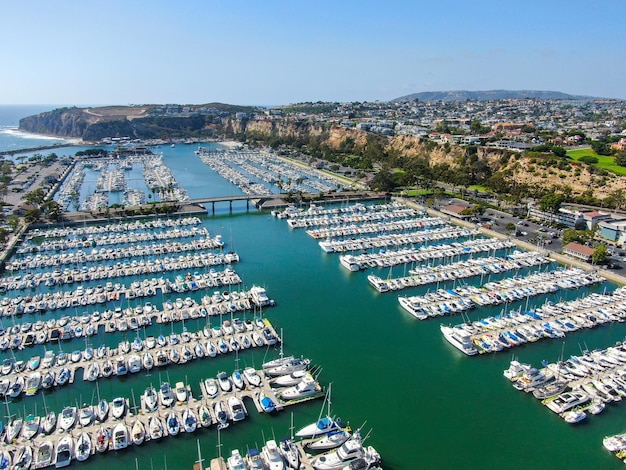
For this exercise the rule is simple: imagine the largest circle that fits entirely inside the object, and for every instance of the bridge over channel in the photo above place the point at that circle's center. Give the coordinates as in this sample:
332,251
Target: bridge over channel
278,200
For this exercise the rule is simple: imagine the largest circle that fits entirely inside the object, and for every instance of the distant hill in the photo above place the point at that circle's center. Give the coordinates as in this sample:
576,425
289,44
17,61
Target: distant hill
463,95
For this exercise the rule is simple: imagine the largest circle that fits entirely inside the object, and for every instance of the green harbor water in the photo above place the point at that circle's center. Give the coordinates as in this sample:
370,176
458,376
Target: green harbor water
427,405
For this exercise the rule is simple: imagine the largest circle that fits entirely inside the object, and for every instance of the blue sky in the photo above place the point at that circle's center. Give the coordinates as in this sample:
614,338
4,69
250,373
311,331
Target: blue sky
278,52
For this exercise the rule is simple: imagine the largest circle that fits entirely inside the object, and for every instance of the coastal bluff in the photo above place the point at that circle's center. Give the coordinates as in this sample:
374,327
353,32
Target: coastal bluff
137,122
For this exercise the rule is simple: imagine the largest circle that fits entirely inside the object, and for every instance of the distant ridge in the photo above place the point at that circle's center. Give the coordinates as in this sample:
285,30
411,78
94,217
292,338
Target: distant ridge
463,95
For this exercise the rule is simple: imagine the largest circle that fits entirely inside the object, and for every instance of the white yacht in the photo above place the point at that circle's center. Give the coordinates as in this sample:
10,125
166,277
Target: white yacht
235,461
567,401
307,387
271,456
236,408
460,339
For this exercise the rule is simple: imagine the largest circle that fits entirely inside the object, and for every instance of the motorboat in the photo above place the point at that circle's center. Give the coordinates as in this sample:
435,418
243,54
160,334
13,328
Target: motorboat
267,404
330,440
118,407
533,379
516,370
272,456
172,423
121,368
220,414
289,380
224,382
306,388
181,392
138,432
67,418
83,447
190,422
252,377
64,451
43,454
288,367
166,395
337,459
119,438
155,428
236,408
567,401
460,339
574,416
211,387
290,453
235,461
253,460
134,363
150,399
322,426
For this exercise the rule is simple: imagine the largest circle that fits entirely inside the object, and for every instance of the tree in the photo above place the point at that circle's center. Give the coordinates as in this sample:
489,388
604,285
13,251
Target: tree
13,221
579,236
559,151
53,210
32,215
35,197
551,203
600,254
510,227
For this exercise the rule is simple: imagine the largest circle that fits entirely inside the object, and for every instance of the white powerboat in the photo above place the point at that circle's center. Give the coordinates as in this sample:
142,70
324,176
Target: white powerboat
272,457
252,377
43,454
224,382
181,392
155,427
211,387
64,451
118,407
235,461
237,408
330,440
166,395
306,388
119,439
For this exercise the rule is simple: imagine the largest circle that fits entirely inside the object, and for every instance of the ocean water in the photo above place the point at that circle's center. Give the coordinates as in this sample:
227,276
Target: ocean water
13,139
427,405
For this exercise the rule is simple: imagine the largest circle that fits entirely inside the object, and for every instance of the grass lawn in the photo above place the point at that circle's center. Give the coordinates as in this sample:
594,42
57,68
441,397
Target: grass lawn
606,162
